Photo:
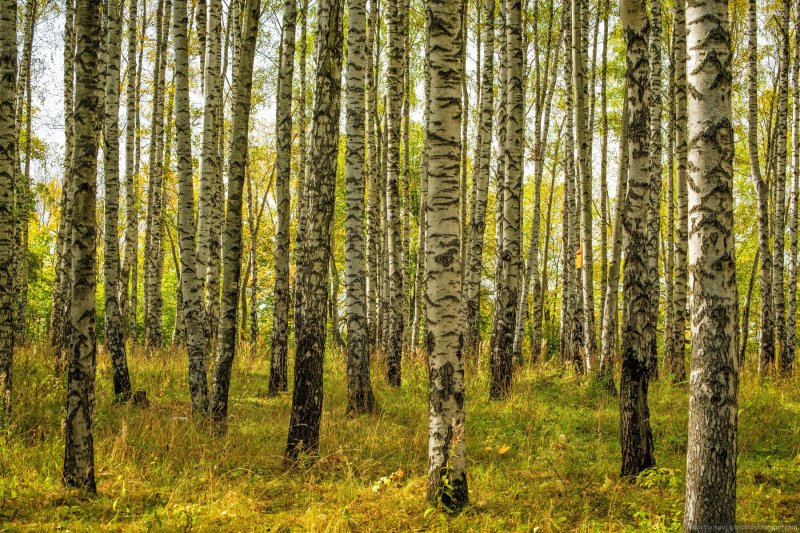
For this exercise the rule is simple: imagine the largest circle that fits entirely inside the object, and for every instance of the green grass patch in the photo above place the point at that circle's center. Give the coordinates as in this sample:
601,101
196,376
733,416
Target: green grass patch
546,459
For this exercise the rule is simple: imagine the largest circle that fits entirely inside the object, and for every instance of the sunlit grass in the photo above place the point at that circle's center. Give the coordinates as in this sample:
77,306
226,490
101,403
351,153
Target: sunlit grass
546,458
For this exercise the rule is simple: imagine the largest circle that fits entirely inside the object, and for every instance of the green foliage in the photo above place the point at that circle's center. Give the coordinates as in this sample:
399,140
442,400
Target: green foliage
547,459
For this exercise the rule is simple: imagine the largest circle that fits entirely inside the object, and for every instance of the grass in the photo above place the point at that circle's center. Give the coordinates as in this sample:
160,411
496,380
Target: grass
547,459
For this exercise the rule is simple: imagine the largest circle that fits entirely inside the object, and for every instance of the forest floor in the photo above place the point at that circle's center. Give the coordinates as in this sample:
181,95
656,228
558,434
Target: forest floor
547,459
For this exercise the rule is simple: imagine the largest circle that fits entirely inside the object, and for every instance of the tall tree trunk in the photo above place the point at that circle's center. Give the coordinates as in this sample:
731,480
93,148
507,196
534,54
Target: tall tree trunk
766,353
637,330
131,230
333,300
194,316
447,476
654,200
359,390
307,396
153,237
791,304
464,145
23,181
531,280
508,288
210,207
572,307
79,443
373,196
579,25
406,176
115,342
711,451
134,276
677,351
8,149
396,24
611,300
232,246
59,314
302,160
419,325
745,329
669,255
540,300
779,220
604,206
278,378
481,187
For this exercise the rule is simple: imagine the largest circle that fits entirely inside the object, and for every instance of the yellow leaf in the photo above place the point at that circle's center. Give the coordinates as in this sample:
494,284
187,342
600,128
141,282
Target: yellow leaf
502,450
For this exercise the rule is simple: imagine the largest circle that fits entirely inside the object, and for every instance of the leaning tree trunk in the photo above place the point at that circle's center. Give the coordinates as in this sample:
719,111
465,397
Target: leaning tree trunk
676,349
359,390
8,147
79,443
304,424
779,220
637,330
396,312
115,342
508,288
232,245
447,450
191,291
713,391
278,379
472,290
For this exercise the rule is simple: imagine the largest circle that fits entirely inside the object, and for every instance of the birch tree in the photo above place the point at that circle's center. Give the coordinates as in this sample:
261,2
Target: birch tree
779,213
307,395
115,343
713,390
637,332
278,381
59,313
78,469
359,389
396,25
676,349
192,307
447,461
128,272
508,276
472,291
8,148
232,245
153,234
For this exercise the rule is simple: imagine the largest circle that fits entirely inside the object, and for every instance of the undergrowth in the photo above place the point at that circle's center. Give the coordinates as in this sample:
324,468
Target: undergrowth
547,459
